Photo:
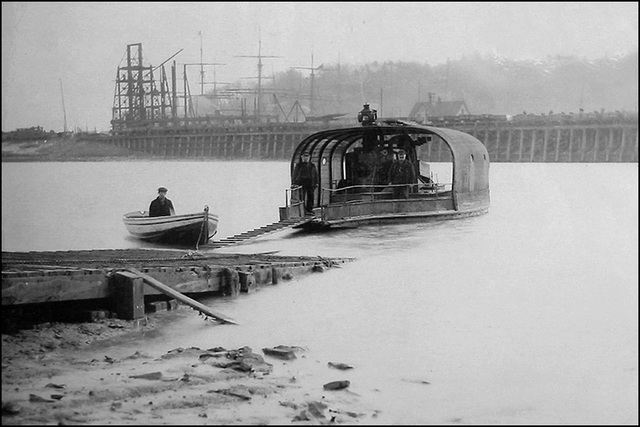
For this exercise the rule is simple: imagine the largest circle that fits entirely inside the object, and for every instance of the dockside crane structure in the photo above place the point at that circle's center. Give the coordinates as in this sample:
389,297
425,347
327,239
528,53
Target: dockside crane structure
137,101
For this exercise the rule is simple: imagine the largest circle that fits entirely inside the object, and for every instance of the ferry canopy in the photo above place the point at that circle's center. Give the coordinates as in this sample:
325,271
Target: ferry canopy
329,148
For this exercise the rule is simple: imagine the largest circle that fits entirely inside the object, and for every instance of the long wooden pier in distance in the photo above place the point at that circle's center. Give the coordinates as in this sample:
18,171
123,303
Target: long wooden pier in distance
505,142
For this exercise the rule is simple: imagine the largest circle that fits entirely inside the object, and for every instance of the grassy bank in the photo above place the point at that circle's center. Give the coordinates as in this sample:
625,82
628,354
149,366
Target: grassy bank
65,148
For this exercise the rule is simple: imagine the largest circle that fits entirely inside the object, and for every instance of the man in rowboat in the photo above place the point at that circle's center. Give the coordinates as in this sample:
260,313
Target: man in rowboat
161,206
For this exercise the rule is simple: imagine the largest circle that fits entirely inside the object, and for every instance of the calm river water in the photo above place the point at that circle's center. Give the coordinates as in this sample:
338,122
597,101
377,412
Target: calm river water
526,315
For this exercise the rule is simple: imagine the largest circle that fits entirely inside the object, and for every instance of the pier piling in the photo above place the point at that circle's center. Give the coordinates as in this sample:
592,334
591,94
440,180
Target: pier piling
128,295
610,142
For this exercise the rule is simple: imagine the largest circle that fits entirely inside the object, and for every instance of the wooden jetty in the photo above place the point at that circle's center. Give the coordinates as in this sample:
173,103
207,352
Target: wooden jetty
167,290
122,278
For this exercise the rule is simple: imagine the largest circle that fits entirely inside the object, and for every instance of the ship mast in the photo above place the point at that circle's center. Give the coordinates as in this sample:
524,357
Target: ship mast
201,66
313,70
64,110
260,65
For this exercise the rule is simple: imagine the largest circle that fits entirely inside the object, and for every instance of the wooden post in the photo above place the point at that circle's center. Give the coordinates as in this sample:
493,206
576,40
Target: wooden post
584,144
544,145
127,295
533,144
229,282
558,134
521,144
275,145
570,144
636,148
247,281
595,145
495,135
508,144
609,144
284,147
622,140
485,141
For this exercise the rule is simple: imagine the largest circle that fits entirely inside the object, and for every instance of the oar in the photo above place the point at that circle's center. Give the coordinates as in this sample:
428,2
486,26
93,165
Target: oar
180,297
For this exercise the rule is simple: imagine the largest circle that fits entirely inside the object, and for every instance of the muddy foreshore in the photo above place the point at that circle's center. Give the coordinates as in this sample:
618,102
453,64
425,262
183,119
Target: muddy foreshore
64,373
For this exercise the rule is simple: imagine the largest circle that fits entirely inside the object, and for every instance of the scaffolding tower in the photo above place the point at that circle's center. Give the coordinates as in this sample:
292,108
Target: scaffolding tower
136,98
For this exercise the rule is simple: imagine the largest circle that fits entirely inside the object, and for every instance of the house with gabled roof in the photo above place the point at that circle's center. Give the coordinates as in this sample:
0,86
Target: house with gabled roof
425,111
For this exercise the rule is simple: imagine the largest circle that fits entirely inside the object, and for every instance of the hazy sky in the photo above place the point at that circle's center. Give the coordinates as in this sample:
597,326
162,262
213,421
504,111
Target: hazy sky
82,44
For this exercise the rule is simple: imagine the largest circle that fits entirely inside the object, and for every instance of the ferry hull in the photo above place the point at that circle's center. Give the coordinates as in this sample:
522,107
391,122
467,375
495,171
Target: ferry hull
377,212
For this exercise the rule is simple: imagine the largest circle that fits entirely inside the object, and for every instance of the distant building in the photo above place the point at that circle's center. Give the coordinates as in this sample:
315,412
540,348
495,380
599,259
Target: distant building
425,111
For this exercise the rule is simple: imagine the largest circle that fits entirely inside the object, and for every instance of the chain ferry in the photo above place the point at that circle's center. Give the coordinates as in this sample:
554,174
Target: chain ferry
354,185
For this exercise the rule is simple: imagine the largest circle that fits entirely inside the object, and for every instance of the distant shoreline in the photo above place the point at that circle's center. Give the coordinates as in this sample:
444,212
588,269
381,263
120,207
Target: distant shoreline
64,149
72,150
131,158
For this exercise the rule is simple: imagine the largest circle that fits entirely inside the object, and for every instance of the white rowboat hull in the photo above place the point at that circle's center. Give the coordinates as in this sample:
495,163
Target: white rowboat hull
187,229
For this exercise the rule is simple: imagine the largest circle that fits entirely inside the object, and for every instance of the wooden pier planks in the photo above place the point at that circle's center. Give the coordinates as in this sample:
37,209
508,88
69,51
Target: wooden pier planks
181,297
57,276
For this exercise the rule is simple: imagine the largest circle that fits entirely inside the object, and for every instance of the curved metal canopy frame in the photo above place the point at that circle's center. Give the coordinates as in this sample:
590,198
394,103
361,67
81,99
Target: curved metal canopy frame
470,156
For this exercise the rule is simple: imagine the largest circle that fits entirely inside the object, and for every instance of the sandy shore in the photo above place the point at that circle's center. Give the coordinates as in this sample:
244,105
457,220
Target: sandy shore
68,374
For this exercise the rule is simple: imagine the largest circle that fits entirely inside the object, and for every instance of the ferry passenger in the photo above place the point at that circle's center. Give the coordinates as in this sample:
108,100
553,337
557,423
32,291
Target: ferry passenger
161,206
382,168
366,169
401,172
406,143
305,175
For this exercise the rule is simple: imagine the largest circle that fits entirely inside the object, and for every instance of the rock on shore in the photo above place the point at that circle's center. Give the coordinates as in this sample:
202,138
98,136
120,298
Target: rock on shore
68,374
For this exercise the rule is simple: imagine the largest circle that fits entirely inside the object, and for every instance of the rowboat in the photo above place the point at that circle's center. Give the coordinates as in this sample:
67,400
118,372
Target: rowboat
195,228
351,192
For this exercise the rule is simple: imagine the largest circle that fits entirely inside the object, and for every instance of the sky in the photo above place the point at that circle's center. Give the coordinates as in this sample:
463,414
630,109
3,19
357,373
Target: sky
60,58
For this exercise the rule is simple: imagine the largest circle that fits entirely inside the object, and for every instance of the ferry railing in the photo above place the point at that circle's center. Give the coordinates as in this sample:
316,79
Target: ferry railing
294,203
382,192
293,196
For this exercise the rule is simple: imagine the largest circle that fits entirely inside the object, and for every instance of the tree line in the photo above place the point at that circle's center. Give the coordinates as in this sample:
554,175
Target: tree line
487,84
